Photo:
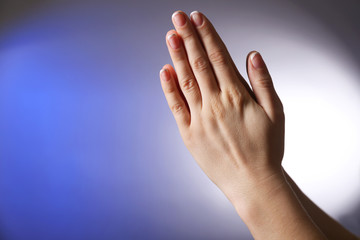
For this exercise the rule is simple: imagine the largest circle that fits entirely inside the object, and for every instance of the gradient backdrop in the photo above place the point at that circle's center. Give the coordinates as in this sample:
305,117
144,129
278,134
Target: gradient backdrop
90,150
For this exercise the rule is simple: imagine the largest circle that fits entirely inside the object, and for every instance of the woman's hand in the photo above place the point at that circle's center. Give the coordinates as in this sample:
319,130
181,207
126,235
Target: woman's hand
235,134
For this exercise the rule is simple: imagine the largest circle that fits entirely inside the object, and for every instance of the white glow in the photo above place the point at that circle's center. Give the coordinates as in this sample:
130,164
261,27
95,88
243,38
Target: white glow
322,107
319,87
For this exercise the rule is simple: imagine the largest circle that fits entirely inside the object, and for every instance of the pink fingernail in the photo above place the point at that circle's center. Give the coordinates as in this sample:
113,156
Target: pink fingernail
257,60
197,18
179,18
164,75
174,41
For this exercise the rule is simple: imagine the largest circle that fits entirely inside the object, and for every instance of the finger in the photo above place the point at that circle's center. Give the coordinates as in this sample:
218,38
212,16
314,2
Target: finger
263,87
218,55
197,56
175,101
239,76
174,76
187,80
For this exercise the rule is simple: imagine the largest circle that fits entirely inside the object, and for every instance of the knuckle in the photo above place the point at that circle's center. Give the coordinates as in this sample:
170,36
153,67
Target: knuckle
264,82
177,108
200,64
234,97
188,83
187,36
218,57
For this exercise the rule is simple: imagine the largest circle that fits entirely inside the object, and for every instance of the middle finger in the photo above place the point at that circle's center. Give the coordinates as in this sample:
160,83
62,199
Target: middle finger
197,56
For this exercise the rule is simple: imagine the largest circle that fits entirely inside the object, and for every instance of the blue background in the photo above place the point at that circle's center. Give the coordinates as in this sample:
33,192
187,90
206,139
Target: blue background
88,147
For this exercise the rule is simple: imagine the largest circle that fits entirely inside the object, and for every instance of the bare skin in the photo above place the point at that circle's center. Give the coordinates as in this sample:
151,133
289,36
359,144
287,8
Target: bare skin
234,132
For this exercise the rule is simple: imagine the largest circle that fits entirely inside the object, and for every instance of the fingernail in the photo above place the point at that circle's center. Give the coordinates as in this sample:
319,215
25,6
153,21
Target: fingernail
197,18
173,41
257,60
179,18
164,75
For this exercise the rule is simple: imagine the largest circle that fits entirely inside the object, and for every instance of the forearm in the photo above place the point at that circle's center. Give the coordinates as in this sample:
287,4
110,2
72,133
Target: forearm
271,211
331,228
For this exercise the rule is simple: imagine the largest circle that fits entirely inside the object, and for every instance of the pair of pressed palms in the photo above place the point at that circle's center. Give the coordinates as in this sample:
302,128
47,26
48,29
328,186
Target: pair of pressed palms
236,133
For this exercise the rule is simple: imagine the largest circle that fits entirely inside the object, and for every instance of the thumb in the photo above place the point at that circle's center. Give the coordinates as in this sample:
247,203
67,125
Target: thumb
263,87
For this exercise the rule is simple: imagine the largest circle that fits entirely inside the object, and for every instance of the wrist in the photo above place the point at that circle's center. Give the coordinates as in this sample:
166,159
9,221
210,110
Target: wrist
271,199
259,188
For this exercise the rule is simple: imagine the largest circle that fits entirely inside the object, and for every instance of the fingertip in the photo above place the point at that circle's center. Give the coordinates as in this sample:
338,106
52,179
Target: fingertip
248,61
196,18
165,75
176,12
167,66
164,67
257,60
192,13
173,39
169,33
